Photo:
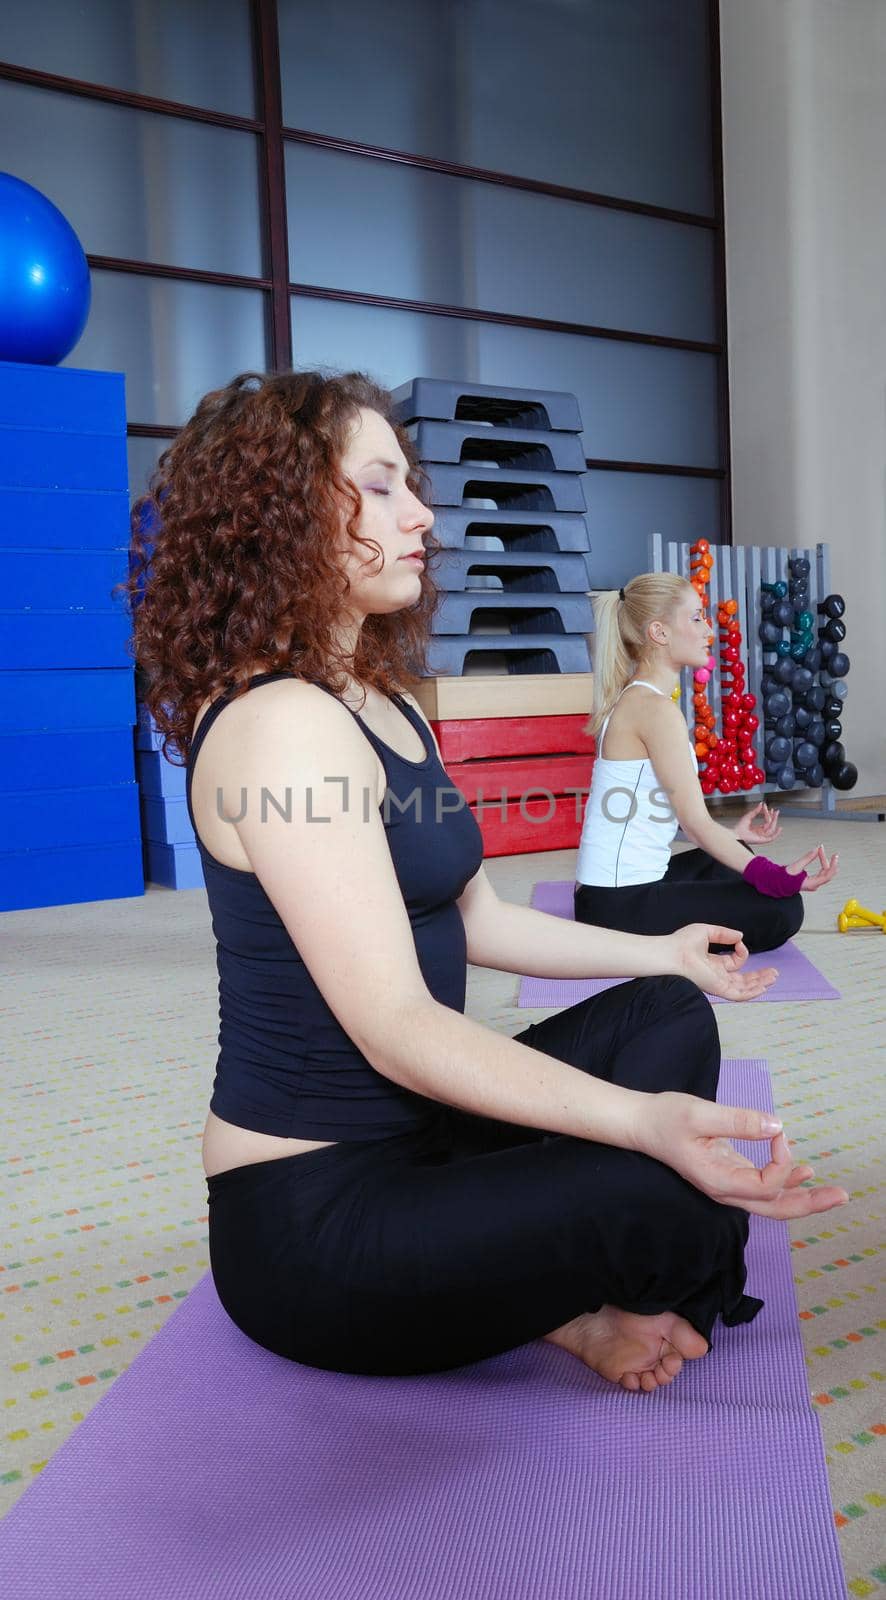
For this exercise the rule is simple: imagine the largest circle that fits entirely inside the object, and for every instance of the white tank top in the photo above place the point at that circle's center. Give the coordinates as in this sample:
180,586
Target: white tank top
629,825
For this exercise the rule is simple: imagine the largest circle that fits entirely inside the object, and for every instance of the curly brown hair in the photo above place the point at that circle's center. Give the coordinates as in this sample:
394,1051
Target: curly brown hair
233,564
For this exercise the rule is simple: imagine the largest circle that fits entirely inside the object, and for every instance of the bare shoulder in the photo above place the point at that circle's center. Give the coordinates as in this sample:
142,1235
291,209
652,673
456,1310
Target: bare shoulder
641,708
660,718
288,724
286,700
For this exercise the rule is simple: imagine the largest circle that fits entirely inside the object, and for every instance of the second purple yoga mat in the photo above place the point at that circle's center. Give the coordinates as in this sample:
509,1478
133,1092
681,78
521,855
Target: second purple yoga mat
797,978
215,1471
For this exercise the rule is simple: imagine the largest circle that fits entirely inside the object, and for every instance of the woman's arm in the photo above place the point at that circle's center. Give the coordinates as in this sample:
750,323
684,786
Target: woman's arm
662,728
511,938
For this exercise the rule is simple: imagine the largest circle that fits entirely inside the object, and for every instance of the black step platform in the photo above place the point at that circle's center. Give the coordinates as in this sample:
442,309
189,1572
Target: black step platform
518,530
526,448
517,571
554,491
525,653
444,400
520,613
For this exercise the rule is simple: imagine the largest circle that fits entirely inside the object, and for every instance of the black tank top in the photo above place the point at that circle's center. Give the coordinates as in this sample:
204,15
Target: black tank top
285,1065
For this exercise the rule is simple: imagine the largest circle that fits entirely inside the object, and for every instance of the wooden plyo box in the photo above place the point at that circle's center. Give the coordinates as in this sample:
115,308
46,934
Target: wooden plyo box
516,828
525,778
478,738
550,694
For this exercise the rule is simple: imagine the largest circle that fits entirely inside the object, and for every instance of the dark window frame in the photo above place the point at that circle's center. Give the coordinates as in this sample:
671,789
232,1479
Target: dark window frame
277,287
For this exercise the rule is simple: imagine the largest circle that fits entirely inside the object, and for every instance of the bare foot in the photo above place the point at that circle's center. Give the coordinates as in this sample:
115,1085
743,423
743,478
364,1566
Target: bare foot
636,1352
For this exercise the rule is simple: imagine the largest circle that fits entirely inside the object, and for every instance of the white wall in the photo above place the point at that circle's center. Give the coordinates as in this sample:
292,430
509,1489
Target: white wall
804,128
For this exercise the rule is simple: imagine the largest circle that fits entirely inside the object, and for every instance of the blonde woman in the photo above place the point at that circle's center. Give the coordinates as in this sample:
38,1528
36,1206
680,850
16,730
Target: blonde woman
645,784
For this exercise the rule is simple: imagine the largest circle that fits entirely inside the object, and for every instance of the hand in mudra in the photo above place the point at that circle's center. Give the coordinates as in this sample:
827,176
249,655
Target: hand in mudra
716,974
759,826
826,869
693,1136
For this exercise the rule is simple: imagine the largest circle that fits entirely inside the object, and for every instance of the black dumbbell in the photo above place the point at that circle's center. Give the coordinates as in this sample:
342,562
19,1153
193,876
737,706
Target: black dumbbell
832,606
833,755
845,776
777,705
778,750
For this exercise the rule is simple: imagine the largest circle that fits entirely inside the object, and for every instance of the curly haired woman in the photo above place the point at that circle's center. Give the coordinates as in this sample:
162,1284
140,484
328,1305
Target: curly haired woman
395,1188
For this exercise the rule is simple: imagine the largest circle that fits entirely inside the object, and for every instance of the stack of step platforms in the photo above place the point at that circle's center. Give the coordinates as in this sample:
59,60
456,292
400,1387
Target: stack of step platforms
517,750
171,855
504,468
69,824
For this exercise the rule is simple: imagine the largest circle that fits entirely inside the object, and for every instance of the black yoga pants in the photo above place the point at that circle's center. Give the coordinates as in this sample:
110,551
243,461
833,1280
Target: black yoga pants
443,1246
695,888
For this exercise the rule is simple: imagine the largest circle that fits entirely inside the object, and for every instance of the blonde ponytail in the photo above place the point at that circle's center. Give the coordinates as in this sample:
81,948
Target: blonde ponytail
621,618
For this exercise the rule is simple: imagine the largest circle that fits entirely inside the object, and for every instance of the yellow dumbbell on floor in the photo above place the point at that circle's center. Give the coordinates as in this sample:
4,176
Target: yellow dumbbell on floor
855,916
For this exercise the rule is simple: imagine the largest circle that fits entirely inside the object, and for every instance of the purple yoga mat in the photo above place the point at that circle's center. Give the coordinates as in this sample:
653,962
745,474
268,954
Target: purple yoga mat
797,978
214,1471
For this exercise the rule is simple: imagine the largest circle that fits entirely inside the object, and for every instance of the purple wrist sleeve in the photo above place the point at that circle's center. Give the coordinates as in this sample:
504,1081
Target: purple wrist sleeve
767,877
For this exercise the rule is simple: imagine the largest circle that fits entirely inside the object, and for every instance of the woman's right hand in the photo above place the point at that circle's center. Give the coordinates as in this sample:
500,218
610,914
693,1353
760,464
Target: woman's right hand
692,1136
826,869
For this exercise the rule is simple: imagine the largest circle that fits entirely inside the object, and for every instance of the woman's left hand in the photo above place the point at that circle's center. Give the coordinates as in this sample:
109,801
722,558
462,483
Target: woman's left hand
759,826
717,974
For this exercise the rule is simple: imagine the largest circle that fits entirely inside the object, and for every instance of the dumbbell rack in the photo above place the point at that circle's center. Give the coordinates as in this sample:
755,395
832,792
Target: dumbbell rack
504,468
737,573
768,564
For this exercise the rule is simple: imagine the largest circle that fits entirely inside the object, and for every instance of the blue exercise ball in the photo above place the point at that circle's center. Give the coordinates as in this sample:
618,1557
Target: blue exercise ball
45,288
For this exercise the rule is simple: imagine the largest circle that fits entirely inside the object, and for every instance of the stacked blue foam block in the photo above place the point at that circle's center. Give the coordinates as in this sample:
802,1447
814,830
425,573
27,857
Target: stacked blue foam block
69,823
171,855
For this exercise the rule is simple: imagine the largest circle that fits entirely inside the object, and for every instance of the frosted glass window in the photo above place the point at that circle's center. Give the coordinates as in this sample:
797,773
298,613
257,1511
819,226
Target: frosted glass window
624,508
638,402
609,95
174,341
198,52
388,229
135,184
